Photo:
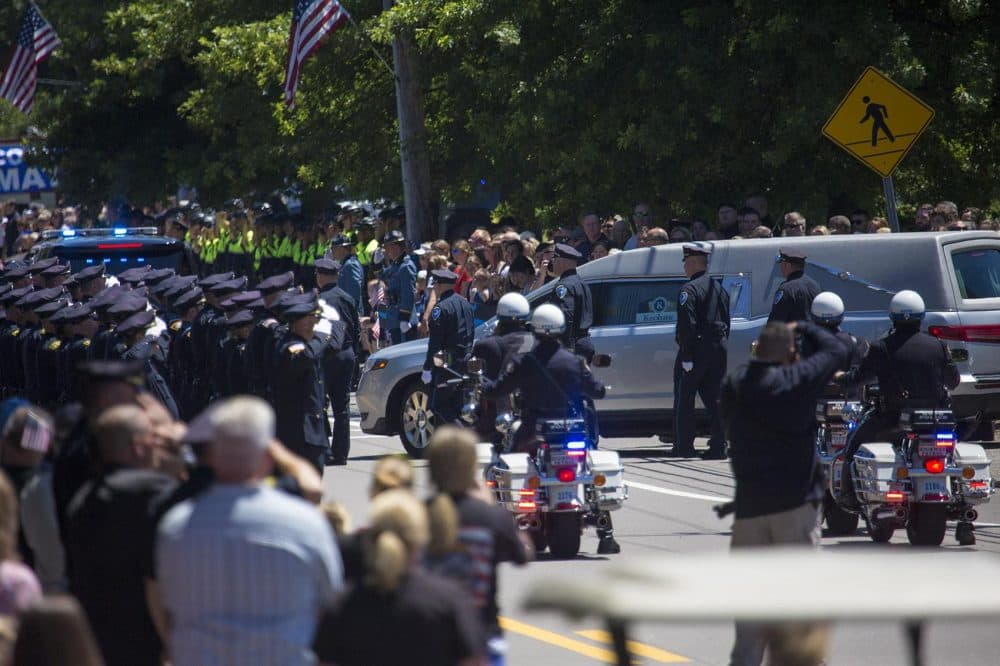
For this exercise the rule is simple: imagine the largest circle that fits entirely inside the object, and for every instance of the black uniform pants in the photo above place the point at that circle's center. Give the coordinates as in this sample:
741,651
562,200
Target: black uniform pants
704,380
446,401
339,375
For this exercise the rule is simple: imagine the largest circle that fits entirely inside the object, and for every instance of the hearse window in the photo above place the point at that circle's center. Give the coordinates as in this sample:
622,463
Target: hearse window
638,303
978,273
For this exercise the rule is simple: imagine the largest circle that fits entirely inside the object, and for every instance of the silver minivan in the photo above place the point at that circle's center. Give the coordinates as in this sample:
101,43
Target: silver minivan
635,301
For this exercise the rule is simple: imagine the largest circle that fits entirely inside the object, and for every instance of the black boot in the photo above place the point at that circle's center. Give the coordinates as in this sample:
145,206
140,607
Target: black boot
965,534
607,544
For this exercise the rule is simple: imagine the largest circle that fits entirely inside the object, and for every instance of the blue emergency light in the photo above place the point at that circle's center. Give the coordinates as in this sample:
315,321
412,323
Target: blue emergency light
575,445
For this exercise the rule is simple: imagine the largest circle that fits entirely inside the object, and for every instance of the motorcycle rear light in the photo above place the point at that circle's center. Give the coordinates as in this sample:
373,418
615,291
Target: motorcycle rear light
566,475
934,465
490,483
576,445
978,485
526,506
987,333
576,454
534,482
527,493
894,496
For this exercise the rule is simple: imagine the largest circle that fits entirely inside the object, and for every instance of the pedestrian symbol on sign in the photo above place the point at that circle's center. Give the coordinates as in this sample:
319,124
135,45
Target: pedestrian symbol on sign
878,113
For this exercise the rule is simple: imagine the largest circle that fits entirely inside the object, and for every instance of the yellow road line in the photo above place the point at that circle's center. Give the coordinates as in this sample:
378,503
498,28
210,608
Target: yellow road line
636,648
552,638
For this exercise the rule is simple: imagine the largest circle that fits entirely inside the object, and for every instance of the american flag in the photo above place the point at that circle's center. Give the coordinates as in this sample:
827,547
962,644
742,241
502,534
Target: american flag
35,41
312,21
36,434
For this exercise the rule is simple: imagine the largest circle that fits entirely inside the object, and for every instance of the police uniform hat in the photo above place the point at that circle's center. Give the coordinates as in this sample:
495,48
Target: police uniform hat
157,275
340,240
327,266
15,295
16,270
245,297
791,255
394,236
138,321
43,265
107,297
46,310
166,285
228,287
215,279
43,296
276,283
696,249
90,273
56,270
239,318
189,298
444,276
127,305
365,223
134,275
565,251
302,306
256,305
71,314
129,372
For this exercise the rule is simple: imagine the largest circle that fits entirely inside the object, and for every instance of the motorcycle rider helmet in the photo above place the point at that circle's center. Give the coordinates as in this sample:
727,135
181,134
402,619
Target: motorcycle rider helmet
548,320
513,306
827,309
906,306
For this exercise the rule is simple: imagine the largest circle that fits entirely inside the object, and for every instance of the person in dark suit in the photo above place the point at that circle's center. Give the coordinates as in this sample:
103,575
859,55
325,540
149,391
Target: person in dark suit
341,359
795,295
573,297
452,332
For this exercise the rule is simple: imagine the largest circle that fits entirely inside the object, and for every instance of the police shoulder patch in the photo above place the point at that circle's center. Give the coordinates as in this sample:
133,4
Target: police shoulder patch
683,298
561,291
269,323
54,344
777,296
296,349
436,313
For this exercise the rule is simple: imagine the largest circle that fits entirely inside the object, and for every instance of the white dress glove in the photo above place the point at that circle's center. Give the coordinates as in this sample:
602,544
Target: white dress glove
687,365
404,326
425,376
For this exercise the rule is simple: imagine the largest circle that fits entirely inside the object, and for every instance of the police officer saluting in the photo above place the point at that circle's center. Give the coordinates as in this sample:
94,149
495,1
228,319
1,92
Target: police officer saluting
795,295
700,365
572,296
400,278
451,331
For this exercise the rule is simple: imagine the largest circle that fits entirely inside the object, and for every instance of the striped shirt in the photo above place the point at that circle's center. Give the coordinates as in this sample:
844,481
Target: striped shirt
244,572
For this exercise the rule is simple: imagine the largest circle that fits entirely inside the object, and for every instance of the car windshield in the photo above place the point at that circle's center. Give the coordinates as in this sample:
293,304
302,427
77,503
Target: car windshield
978,273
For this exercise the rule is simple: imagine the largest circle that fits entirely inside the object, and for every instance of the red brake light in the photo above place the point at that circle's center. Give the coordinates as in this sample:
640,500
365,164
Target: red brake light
977,485
934,465
566,475
894,496
526,506
984,333
119,246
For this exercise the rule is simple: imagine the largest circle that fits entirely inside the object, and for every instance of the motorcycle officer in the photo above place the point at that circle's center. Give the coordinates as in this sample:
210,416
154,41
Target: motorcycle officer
913,369
827,310
553,382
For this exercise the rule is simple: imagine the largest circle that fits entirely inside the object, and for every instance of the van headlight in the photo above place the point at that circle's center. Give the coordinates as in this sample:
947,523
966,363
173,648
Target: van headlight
375,364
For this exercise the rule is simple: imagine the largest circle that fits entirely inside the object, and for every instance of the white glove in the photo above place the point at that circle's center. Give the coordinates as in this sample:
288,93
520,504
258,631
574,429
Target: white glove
404,326
425,376
687,365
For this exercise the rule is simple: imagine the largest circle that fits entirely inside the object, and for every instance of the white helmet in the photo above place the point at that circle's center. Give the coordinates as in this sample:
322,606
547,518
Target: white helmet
906,306
827,309
548,320
513,306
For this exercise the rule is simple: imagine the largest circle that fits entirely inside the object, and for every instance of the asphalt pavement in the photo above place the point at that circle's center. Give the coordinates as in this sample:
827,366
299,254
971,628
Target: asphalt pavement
670,511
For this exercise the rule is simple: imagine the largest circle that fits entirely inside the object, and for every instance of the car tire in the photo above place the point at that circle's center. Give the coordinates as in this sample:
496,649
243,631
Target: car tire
416,420
563,531
927,524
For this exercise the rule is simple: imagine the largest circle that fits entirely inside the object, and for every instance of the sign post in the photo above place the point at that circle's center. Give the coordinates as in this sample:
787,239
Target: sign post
877,122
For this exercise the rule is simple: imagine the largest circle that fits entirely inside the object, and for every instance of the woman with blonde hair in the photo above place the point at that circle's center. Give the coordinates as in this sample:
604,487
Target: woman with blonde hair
427,619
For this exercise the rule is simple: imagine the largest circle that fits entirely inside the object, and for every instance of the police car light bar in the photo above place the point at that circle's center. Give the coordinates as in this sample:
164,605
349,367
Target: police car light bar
99,233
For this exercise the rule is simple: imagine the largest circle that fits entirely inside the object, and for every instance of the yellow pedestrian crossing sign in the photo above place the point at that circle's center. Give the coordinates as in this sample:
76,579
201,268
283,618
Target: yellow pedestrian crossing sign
878,122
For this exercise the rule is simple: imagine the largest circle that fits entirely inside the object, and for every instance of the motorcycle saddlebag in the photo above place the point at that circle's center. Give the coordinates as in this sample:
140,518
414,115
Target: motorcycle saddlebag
875,466
614,492
512,471
977,489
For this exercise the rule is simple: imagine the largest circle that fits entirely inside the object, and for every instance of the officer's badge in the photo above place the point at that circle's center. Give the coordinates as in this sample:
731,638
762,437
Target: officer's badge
561,291
296,349
436,313
86,343
683,298
54,345
777,296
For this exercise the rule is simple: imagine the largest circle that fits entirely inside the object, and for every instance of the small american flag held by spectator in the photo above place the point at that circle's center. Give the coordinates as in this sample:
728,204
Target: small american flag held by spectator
36,435
312,21
35,41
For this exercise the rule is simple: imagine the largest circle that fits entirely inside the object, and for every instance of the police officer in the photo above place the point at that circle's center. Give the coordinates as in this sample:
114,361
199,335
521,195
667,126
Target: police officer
914,369
796,293
452,331
183,369
827,310
400,278
298,390
341,360
11,370
31,337
202,331
700,365
132,334
238,324
553,383
262,340
352,274
91,282
48,354
56,275
80,325
572,296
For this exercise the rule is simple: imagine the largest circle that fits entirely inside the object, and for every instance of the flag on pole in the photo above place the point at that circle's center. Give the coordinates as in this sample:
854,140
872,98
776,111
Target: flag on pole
312,21
35,41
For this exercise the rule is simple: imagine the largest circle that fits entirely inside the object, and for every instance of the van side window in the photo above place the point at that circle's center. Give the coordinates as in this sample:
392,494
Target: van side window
977,273
636,303
738,288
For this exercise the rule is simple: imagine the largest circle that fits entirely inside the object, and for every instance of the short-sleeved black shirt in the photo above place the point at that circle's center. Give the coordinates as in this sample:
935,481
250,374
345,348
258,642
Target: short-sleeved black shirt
106,523
428,621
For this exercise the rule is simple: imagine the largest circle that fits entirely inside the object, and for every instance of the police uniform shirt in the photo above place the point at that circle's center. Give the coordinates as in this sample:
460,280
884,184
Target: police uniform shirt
74,352
702,317
351,279
49,351
794,298
299,393
496,350
572,296
451,330
400,287
347,307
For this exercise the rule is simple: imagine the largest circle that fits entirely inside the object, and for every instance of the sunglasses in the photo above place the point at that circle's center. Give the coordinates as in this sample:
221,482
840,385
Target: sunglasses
643,214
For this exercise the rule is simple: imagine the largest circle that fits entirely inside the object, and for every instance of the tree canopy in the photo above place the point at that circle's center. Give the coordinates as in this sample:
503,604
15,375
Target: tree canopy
558,106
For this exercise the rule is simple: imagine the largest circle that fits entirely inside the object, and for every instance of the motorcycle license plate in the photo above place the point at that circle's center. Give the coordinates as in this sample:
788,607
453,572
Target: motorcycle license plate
562,460
934,487
838,439
564,495
933,451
